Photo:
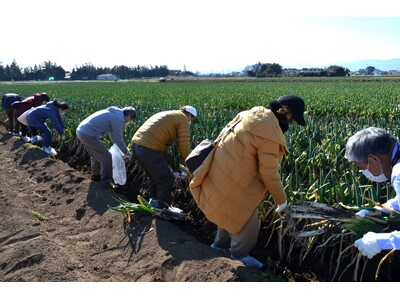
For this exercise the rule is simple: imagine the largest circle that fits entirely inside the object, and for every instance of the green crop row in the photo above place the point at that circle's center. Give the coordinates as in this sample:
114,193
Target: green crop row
316,168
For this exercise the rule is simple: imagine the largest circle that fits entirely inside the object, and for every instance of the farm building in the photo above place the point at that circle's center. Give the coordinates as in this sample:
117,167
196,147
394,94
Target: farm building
174,72
107,77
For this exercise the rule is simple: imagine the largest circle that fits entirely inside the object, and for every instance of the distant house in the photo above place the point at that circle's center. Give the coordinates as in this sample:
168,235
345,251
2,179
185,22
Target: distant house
290,71
67,76
174,72
107,77
311,70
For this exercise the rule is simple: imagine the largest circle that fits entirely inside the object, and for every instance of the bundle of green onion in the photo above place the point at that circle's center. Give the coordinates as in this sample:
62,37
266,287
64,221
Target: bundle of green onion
129,209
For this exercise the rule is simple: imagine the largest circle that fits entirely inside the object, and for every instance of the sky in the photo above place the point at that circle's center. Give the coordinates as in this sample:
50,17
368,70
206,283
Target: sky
204,36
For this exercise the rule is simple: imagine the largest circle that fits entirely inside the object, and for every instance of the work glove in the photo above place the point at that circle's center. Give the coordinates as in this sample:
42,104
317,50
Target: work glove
367,245
390,204
364,212
281,207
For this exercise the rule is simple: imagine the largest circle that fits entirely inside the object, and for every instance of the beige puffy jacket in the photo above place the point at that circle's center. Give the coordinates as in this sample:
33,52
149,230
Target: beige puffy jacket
235,178
162,129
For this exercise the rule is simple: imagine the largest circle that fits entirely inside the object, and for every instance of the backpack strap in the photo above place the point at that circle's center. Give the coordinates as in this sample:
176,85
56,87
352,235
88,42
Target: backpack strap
230,129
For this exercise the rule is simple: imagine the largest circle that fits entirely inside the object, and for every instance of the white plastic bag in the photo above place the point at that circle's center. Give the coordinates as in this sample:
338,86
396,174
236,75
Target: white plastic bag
22,118
118,164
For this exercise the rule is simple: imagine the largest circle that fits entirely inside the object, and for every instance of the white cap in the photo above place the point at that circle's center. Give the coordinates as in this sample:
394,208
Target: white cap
190,109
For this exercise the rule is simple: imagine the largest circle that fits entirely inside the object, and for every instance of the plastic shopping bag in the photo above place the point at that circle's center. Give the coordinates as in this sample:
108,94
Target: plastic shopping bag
22,118
118,165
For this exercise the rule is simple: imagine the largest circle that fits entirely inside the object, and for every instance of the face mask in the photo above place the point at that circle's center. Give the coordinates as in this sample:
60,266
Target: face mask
372,177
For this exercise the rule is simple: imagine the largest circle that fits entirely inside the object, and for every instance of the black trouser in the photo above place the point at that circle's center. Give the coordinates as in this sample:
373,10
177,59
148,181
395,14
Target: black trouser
10,114
159,175
24,129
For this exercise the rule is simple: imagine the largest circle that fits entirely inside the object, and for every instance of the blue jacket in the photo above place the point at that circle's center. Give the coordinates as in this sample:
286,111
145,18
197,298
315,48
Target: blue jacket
38,116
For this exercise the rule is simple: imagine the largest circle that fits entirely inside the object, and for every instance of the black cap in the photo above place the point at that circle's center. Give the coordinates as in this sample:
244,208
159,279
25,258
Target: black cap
129,111
45,97
296,105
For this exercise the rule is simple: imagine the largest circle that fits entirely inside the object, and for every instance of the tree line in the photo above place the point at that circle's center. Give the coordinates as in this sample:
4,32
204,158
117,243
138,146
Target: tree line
275,70
51,71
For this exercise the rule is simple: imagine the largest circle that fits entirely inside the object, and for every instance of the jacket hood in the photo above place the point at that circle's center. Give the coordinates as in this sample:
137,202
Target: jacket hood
114,109
262,122
50,105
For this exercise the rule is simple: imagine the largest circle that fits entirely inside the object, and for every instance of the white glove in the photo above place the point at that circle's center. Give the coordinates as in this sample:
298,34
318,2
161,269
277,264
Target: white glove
390,204
281,207
362,213
367,245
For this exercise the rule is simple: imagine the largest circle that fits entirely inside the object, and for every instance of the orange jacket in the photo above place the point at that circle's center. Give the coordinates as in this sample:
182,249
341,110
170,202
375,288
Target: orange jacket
234,179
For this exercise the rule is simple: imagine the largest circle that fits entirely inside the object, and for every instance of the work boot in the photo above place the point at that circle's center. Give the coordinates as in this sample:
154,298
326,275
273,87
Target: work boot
224,250
50,151
157,204
36,139
107,184
95,177
26,139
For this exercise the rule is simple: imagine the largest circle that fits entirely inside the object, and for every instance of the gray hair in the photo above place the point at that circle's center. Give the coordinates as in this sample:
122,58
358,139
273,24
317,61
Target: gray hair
371,140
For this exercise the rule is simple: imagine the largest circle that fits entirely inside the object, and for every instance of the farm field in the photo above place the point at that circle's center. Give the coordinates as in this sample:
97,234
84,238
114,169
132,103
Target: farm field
316,170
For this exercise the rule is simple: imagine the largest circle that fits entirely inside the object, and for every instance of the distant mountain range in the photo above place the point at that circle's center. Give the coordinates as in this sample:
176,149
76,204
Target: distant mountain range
383,65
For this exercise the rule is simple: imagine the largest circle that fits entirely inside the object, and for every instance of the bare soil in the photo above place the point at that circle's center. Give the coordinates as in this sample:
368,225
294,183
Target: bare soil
81,240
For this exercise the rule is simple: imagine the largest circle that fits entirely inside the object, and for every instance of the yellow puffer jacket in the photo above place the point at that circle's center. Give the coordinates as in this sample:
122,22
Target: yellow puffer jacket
162,129
235,178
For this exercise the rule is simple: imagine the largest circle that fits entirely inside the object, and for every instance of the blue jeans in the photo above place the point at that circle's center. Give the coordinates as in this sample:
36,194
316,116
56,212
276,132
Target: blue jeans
45,130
